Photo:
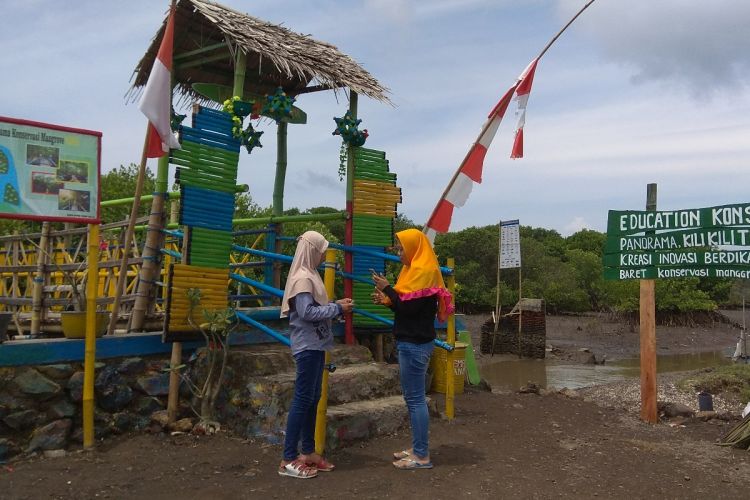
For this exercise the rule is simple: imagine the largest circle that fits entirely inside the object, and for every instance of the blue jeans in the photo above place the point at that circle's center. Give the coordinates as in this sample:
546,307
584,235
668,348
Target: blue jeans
413,360
300,424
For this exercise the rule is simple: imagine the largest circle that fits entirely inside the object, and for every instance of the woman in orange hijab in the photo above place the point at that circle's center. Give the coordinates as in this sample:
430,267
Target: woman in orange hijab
418,295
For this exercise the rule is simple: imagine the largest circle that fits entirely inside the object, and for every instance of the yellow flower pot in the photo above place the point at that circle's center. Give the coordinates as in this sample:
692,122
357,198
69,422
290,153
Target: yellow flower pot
74,323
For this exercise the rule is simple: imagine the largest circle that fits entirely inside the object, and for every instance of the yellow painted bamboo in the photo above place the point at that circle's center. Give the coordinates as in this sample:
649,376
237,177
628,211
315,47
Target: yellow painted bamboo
449,378
90,342
321,423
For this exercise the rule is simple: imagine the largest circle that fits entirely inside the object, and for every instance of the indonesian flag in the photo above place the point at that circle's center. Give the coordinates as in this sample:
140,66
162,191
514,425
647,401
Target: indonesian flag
522,96
470,171
156,101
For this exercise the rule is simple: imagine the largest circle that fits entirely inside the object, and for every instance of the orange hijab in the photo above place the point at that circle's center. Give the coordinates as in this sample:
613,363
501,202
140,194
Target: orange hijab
421,276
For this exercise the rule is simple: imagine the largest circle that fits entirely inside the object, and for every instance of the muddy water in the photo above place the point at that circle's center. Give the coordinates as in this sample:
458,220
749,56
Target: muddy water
510,373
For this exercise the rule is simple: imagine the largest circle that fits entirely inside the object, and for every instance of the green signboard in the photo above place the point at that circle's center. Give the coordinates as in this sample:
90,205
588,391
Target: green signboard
673,240
656,272
48,172
679,243
631,222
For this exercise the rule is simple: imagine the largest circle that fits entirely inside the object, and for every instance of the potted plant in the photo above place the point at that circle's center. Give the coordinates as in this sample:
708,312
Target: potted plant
73,317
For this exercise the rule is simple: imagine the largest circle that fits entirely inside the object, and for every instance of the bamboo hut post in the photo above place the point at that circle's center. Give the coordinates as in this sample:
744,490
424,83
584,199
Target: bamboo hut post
173,397
41,260
278,192
348,235
151,248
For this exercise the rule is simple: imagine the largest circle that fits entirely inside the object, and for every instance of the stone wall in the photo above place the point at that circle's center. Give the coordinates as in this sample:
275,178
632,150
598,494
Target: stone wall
40,406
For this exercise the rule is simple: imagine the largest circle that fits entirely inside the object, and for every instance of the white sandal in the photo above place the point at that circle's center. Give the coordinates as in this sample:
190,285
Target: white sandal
299,469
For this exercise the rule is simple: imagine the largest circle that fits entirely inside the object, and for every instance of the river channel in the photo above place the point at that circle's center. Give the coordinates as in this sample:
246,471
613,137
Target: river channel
510,373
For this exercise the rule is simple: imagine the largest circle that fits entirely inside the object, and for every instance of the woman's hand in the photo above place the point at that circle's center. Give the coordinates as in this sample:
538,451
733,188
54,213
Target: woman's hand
380,280
378,297
346,305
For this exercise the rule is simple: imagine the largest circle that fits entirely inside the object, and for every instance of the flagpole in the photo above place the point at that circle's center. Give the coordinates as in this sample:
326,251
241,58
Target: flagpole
121,279
489,121
554,38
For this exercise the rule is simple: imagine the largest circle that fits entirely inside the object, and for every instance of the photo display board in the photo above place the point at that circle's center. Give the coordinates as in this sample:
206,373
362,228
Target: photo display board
49,172
510,245
712,242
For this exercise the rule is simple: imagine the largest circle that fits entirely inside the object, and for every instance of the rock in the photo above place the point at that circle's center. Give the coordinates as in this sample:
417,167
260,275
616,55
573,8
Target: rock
671,410
112,391
36,385
52,436
61,408
123,422
8,449
706,415
55,453
132,366
75,387
160,417
570,393
530,388
24,419
146,405
183,425
155,385
114,398
57,372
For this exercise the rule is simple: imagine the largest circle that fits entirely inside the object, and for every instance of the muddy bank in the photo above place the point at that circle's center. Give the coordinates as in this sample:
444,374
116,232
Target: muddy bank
610,338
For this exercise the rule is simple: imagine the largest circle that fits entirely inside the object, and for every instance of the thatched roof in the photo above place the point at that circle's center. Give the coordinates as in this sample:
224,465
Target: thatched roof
207,35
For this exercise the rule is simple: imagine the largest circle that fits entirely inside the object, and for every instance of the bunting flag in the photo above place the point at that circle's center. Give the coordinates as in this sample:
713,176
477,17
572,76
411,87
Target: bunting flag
470,171
522,96
156,101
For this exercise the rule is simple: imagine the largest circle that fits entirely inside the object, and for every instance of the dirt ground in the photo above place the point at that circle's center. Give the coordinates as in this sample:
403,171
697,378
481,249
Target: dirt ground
499,445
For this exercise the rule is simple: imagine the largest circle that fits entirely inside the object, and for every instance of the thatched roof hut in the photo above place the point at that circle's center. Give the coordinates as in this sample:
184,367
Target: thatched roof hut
208,35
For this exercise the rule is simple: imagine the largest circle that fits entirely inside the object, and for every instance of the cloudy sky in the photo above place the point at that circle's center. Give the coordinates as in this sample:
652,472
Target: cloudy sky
635,92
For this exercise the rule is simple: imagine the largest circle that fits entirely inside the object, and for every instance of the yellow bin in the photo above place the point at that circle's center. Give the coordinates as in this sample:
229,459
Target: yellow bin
437,366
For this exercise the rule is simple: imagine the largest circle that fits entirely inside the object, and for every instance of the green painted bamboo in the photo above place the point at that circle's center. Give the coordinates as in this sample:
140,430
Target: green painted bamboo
281,162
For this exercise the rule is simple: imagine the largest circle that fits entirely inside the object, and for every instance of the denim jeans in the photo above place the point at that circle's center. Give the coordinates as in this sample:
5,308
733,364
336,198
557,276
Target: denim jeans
300,424
413,360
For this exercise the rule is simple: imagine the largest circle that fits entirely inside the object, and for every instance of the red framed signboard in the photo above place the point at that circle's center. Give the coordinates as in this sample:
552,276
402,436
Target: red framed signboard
49,172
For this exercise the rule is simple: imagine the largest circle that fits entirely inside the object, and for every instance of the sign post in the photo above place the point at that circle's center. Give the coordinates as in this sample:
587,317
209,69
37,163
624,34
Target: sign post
648,334
649,245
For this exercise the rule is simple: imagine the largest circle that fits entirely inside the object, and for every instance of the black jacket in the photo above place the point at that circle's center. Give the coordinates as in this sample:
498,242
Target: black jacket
414,319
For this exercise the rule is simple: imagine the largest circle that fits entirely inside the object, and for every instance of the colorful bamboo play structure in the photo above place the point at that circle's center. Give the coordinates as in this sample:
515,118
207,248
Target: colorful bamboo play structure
221,46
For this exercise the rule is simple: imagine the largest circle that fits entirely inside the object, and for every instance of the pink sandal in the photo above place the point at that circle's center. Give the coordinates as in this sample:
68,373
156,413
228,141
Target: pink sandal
322,465
299,469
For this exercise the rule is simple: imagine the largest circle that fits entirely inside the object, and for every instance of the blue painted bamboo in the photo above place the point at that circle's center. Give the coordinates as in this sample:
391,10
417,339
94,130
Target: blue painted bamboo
263,328
257,284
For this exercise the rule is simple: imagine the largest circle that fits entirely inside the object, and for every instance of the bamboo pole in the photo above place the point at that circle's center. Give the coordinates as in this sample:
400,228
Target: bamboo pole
329,277
175,360
349,228
151,248
122,278
497,295
90,342
648,335
41,260
450,389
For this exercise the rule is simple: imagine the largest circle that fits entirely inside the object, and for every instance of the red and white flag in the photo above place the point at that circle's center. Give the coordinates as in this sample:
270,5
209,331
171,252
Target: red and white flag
522,96
470,171
156,101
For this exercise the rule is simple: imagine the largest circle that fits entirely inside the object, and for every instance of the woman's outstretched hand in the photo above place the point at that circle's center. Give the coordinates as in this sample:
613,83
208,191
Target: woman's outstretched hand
346,304
380,280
